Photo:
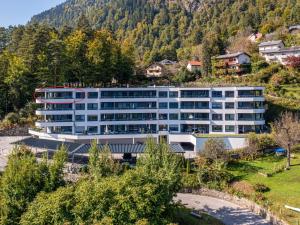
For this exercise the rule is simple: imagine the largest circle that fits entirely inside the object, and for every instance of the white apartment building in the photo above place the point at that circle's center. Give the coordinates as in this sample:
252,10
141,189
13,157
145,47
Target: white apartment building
131,115
274,51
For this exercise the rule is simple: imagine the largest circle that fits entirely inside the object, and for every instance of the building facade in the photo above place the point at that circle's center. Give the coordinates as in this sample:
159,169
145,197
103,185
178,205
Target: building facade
133,114
235,63
275,52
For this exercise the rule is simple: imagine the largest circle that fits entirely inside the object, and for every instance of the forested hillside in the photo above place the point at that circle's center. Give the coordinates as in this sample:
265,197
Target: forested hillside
165,28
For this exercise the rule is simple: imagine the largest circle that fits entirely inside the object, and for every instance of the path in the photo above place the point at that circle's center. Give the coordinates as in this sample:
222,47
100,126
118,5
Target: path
229,213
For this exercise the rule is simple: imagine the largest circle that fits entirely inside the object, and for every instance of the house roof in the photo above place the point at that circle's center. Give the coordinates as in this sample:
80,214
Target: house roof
268,43
167,62
295,27
232,55
282,50
194,63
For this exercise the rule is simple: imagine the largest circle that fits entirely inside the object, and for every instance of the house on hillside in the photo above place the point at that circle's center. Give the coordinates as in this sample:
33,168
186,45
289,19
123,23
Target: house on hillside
234,63
193,66
255,37
294,29
275,51
270,45
162,69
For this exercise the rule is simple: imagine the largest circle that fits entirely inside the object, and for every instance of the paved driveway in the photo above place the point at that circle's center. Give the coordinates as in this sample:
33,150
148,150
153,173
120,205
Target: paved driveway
229,213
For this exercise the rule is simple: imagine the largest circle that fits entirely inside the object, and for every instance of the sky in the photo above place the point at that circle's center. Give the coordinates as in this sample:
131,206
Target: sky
15,12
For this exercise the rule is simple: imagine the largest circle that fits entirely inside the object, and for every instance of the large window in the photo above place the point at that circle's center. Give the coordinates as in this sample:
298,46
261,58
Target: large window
194,105
173,94
79,129
194,116
163,94
59,107
229,94
80,106
128,94
92,130
92,106
217,117
217,128
93,95
250,93
59,118
163,105
195,94
80,95
173,116
59,95
250,116
127,105
229,128
216,94
80,118
173,128
163,116
229,117
173,105
250,105
229,105
92,118
216,105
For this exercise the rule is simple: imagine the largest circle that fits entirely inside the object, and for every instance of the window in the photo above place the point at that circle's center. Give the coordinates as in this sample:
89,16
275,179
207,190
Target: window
173,128
163,127
195,94
217,117
92,130
229,117
229,94
216,105
92,106
229,105
163,105
216,94
173,94
173,116
92,94
79,130
173,105
80,106
163,116
92,118
229,128
163,94
217,128
79,118
80,95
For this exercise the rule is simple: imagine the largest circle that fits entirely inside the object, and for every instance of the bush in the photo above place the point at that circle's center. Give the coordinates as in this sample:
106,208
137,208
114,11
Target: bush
190,181
261,188
215,149
214,177
12,118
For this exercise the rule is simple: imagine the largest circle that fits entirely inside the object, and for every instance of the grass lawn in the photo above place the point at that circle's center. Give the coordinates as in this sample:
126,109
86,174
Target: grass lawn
284,186
292,91
183,217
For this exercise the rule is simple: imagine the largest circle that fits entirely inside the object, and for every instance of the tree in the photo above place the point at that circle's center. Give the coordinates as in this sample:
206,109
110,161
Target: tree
101,162
21,181
286,132
215,149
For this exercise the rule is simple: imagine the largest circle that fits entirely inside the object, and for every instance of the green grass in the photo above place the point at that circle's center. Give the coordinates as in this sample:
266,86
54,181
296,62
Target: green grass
284,186
292,91
183,217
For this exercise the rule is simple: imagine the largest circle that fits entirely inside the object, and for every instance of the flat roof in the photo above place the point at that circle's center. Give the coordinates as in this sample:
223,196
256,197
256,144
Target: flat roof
231,55
268,43
82,149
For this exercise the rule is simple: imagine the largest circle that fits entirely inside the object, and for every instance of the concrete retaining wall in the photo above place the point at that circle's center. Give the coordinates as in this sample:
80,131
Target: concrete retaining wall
243,202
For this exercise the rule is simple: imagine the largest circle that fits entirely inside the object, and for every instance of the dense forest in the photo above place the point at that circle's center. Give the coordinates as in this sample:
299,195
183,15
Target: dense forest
37,55
169,28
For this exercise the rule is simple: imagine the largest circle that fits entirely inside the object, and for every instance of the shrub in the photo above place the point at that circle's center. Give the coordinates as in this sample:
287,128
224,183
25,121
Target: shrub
214,177
215,149
242,188
12,118
190,181
261,188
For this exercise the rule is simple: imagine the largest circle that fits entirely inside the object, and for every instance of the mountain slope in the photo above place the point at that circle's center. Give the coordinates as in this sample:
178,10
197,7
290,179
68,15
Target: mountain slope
161,27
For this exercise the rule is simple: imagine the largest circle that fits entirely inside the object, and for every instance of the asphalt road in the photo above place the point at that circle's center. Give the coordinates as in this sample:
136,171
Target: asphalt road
229,213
